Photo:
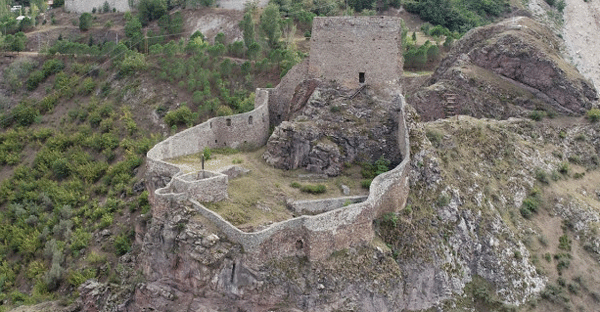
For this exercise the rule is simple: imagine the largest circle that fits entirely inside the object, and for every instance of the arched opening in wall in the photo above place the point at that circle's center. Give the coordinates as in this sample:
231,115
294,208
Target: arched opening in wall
228,121
210,124
361,77
215,141
250,120
299,244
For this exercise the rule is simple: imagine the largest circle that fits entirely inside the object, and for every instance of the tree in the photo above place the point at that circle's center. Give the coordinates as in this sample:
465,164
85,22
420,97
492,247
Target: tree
15,42
4,11
360,5
247,26
220,38
149,10
253,50
270,25
133,31
85,21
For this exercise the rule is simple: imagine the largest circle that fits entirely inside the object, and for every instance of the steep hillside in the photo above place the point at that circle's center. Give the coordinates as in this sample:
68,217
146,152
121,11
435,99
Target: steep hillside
74,133
503,70
502,215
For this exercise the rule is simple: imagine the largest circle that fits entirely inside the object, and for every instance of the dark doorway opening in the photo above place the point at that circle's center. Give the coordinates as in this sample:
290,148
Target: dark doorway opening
361,77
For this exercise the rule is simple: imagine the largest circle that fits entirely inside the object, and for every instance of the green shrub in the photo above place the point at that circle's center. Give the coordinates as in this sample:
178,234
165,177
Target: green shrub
80,239
24,114
443,200
366,183
132,63
87,86
224,110
295,185
85,21
34,80
206,152
106,220
435,137
564,243
542,175
537,115
123,243
593,114
563,168
180,116
575,159
313,189
60,168
76,278
52,67
389,219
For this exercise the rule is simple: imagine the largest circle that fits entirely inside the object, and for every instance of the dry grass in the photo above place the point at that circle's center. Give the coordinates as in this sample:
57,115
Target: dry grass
259,198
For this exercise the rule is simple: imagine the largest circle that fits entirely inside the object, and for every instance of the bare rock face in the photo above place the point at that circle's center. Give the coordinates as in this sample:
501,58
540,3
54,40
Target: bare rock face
504,70
335,126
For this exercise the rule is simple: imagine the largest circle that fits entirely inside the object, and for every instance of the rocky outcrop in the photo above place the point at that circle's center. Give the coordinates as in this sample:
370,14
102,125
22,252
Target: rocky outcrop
504,70
331,126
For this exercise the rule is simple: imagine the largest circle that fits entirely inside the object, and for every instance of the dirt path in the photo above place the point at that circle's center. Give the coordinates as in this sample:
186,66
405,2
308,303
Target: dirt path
580,32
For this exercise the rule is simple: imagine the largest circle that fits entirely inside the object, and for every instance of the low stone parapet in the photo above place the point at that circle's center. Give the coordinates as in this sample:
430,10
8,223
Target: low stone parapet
316,206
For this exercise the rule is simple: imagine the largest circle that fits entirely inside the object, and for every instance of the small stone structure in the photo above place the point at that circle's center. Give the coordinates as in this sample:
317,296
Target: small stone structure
82,6
203,186
334,225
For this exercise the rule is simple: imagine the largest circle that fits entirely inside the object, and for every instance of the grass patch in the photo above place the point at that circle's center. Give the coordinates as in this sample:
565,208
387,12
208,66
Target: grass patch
593,115
313,188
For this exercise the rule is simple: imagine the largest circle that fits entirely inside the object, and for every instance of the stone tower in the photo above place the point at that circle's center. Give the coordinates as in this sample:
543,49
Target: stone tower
356,50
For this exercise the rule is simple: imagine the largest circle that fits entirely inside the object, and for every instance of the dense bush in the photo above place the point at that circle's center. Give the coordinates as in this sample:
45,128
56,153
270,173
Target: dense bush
313,189
34,80
52,67
149,10
123,243
531,204
85,21
460,15
16,42
181,116
593,114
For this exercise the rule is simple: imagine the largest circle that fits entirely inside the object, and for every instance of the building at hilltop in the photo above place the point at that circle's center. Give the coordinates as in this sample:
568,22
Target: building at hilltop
353,52
356,50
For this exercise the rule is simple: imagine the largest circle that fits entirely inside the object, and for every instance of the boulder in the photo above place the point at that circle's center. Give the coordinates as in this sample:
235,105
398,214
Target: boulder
336,126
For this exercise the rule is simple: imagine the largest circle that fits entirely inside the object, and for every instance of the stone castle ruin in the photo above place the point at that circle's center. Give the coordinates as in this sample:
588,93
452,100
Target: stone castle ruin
351,51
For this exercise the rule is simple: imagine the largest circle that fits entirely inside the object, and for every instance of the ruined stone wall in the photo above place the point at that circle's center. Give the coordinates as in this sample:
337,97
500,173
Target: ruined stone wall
203,186
251,128
312,236
81,6
343,47
317,206
280,97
